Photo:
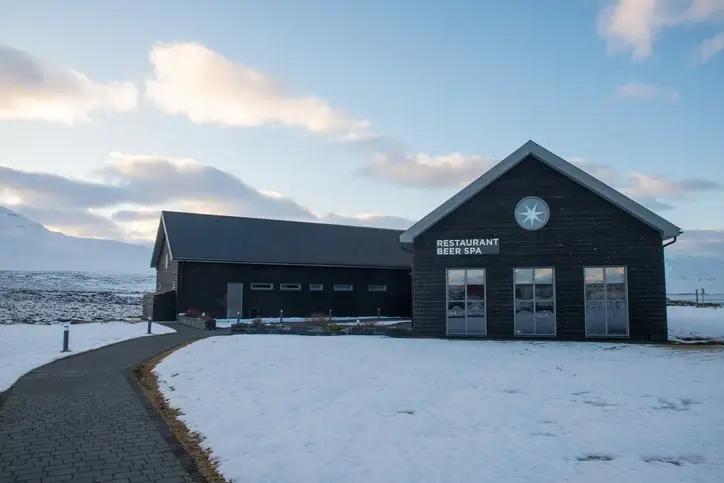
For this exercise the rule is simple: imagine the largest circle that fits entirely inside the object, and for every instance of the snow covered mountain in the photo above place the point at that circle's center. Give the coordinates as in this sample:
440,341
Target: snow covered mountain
686,274
27,245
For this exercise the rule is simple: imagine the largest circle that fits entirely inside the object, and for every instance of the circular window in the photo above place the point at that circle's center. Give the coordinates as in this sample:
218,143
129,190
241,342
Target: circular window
532,213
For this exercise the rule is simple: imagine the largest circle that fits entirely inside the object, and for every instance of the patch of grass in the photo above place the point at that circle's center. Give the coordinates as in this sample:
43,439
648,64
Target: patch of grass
191,441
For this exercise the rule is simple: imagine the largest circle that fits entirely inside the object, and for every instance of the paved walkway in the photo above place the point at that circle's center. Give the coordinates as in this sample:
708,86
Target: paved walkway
84,419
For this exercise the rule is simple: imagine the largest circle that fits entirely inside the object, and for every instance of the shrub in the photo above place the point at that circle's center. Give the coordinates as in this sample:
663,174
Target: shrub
332,328
257,321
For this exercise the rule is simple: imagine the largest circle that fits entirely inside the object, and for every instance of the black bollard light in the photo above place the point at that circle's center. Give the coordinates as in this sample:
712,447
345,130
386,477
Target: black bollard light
66,338
149,326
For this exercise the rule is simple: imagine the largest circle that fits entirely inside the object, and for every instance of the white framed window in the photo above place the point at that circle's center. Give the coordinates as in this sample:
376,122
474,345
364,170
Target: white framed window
316,287
377,288
606,301
466,301
165,261
262,286
290,286
343,287
534,301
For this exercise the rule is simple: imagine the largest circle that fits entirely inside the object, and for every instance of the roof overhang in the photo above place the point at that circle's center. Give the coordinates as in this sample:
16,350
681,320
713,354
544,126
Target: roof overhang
530,148
161,238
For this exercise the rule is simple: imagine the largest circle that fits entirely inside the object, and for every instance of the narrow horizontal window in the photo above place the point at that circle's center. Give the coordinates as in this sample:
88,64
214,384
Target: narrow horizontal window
377,288
343,287
316,287
262,286
290,286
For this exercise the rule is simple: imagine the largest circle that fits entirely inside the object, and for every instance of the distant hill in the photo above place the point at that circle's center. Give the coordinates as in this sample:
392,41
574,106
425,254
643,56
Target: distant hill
27,245
685,274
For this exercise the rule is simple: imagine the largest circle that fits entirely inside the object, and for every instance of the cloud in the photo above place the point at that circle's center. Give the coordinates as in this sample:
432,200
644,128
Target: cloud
700,243
122,199
191,80
634,25
422,170
637,90
33,89
457,171
710,47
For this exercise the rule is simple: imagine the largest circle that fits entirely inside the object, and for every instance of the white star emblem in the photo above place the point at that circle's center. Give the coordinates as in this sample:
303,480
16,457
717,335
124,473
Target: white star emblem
531,215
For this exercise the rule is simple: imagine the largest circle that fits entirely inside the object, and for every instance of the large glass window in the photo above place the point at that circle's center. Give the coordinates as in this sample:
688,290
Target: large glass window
606,302
535,305
466,302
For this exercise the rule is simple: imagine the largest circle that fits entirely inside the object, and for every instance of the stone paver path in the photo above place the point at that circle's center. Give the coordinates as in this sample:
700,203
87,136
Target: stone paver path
84,419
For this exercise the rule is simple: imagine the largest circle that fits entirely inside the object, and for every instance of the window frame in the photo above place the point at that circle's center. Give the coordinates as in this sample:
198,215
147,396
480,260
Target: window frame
313,287
465,302
605,301
337,287
377,287
287,287
533,284
256,286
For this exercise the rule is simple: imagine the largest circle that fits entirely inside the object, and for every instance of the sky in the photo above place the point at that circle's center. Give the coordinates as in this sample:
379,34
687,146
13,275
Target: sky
354,112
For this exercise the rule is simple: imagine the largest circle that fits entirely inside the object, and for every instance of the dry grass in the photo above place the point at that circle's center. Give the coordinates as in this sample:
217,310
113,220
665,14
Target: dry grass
191,441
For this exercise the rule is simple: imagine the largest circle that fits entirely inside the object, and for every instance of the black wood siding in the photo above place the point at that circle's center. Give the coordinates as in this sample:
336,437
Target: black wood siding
203,287
166,278
584,230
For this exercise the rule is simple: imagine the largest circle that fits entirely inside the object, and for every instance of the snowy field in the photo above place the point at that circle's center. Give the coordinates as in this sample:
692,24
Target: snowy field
692,324
52,297
25,347
363,409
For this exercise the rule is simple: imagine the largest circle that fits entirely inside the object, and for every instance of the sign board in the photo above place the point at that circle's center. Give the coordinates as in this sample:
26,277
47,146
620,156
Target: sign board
468,246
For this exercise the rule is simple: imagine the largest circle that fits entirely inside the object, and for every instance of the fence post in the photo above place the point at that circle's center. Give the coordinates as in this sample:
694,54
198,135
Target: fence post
281,316
66,338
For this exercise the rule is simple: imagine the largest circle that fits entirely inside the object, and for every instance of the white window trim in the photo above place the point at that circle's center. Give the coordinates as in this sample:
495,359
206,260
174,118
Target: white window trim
290,287
165,261
626,300
377,287
343,287
515,300
465,301
262,286
316,287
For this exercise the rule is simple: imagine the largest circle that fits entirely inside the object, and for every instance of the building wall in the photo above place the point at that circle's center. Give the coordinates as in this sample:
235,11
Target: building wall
166,277
583,230
203,286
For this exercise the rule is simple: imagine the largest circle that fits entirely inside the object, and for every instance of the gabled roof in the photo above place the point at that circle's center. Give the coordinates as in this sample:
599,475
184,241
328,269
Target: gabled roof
576,174
216,238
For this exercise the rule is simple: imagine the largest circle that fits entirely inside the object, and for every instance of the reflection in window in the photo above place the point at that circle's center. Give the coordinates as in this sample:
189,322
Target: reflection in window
535,309
466,302
606,302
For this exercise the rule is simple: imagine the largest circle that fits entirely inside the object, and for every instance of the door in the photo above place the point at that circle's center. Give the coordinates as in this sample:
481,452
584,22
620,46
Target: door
234,299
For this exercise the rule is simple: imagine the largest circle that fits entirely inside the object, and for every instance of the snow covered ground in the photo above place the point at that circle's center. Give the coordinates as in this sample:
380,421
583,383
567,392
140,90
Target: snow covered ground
52,297
25,347
695,324
358,409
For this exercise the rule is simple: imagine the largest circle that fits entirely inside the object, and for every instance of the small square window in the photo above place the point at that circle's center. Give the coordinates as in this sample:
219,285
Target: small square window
316,287
262,286
377,288
343,287
290,286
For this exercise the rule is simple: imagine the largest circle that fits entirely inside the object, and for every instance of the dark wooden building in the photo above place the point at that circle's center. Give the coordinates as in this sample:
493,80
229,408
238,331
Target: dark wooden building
225,266
536,247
